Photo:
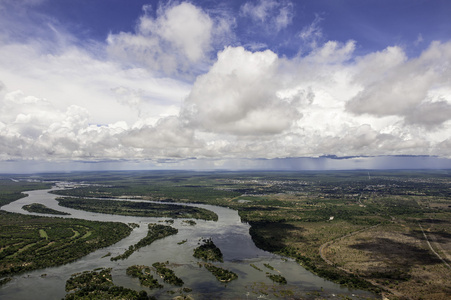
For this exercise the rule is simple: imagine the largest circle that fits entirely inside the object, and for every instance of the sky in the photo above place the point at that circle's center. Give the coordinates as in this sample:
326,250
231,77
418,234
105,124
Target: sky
207,84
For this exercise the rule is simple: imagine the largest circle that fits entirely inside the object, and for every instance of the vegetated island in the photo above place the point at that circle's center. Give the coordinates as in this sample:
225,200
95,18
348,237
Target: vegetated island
156,231
189,222
31,242
138,209
221,274
277,278
98,285
167,274
144,276
208,251
42,209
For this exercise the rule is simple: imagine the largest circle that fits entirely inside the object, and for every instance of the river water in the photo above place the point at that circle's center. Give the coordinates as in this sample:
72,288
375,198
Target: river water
228,233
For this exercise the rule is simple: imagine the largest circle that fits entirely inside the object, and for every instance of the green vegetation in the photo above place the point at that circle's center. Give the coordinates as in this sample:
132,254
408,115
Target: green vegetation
277,278
168,186
156,231
139,209
12,190
167,274
43,234
189,222
42,209
30,242
133,225
221,274
5,280
208,251
144,276
98,285
256,268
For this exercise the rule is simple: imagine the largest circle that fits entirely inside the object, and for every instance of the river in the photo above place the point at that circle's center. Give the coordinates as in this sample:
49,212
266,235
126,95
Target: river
228,233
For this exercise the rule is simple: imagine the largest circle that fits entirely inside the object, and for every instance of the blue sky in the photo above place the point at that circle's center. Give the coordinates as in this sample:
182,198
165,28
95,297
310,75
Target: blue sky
224,84
373,24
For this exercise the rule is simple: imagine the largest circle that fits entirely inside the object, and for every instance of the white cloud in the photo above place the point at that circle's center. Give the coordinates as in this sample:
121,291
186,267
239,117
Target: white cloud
332,52
260,11
73,76
285,17
255,104
405,87
64,102
184,26
249,104
312,34
178,40
59,101
167,139
238,96
274,14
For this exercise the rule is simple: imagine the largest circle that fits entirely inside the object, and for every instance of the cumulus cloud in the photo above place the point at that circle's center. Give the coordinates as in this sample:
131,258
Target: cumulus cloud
167,139
249,104
405,87
430,114
35,129
73,76
239,96
257,104
28,121
176,40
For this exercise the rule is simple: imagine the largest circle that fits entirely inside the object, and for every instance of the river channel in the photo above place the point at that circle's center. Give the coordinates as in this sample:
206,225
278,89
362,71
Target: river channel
228,233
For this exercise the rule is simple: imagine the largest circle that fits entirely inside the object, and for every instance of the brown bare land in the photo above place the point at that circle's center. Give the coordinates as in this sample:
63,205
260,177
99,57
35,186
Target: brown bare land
397,257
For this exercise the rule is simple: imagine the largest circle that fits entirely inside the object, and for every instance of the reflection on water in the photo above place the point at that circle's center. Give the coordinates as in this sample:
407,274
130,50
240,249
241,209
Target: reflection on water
228,233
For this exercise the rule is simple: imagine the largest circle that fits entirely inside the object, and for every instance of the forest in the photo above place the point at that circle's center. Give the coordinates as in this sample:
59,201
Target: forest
208,251
42,209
